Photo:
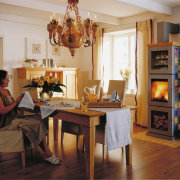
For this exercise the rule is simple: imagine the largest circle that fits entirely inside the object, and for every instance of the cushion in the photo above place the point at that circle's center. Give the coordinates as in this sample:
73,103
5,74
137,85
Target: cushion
11,141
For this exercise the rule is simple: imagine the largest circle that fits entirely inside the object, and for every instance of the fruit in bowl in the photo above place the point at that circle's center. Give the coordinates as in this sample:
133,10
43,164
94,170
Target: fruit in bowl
31,63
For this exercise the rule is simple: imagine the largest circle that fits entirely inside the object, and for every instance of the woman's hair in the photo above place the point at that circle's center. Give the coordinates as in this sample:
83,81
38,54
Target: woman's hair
3,75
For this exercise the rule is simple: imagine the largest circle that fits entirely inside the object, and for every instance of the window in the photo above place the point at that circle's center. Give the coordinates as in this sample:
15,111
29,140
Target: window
119,55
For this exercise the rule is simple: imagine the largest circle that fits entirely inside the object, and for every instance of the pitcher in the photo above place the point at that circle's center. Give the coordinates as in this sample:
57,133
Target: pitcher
91,93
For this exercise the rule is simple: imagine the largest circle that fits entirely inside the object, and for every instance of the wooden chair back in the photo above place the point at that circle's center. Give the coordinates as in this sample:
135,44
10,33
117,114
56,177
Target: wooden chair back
120,87
34,92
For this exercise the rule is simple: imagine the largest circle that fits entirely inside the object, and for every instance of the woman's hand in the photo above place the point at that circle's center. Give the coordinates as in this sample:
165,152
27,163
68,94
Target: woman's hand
6,109
18,99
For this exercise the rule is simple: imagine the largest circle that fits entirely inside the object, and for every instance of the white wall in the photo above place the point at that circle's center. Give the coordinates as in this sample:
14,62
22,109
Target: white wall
15,29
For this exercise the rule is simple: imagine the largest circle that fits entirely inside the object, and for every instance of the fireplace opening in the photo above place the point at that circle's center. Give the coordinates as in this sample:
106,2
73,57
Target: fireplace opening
159,120
159,90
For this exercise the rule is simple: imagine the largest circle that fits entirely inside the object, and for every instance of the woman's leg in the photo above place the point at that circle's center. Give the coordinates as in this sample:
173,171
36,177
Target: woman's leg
36,132
45,149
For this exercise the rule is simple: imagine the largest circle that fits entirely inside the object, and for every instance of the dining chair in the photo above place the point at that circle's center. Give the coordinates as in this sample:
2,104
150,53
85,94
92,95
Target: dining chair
72,128
12,141
120,87
34,92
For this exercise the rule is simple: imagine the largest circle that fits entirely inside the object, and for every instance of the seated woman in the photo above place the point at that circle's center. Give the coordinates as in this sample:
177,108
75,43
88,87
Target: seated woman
32,127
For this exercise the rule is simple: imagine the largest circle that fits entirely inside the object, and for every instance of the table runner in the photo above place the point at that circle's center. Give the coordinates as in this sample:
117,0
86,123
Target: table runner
118,124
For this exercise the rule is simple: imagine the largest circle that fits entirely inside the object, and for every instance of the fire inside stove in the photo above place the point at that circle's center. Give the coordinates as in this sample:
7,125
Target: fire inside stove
159,90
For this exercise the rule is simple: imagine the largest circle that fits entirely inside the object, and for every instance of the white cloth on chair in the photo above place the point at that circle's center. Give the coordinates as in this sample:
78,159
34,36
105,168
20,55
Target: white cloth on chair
118,124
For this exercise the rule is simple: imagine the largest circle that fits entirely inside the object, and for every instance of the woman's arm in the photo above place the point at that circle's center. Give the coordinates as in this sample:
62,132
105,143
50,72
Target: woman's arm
6,109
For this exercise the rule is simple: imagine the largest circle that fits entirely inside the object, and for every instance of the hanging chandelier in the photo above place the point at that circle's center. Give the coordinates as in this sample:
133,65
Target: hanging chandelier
72,34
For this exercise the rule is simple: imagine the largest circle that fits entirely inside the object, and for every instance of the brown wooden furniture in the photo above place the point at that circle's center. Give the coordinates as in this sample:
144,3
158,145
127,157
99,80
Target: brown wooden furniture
67,76
88,121
72,128
120,87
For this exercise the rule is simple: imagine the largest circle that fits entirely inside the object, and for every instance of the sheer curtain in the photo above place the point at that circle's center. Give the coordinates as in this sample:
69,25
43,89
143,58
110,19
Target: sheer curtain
144,36
97,49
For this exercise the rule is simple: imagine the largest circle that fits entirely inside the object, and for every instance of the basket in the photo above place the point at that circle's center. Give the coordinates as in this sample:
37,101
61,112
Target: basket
105,104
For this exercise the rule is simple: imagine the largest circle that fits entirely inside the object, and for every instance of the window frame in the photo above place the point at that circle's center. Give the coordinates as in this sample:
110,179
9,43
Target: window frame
112,38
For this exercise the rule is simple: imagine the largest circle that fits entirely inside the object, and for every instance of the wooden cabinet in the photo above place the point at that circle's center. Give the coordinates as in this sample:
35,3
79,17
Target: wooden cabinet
67,76
70,79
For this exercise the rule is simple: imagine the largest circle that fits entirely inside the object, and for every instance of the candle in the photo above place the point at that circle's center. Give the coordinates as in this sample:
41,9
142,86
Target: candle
88,15
50,18
94,18
54,14
59,21
69,13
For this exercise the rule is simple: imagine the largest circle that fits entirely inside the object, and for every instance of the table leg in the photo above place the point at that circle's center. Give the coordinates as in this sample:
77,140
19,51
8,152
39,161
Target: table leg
55,128
89,137
128,154
129,146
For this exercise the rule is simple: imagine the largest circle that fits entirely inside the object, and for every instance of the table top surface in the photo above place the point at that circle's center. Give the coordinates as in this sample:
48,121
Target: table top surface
89,113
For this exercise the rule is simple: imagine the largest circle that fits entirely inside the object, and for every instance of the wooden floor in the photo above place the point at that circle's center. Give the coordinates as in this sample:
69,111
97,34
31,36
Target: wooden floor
150,161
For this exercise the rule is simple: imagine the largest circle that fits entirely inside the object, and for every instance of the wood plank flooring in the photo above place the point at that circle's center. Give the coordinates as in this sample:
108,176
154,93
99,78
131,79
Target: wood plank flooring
150,161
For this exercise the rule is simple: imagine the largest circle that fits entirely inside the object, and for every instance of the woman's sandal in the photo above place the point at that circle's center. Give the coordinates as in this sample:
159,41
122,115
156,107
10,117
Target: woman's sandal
54,160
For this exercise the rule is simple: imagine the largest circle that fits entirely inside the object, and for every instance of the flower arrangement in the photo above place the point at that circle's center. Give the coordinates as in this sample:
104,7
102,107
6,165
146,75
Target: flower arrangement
125,74
49,84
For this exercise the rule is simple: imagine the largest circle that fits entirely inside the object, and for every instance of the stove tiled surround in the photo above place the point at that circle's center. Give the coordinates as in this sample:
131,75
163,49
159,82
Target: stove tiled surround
164,90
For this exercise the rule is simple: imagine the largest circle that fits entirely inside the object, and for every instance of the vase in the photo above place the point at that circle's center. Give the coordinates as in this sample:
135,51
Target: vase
46,95
50,94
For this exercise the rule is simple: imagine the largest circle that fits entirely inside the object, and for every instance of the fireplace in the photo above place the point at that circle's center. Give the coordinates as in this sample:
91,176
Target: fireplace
161,88
164,90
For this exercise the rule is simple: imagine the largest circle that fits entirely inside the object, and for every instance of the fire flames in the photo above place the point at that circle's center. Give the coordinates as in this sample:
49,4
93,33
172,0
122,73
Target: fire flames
159,91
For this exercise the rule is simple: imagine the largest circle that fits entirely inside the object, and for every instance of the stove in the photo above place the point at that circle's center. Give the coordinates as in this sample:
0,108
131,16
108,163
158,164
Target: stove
164,90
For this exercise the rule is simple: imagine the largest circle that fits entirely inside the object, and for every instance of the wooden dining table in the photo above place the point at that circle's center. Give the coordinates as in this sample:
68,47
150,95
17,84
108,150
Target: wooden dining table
88,121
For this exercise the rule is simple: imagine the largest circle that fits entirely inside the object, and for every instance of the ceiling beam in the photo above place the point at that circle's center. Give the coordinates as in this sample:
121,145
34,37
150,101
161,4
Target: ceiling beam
150,6
49,7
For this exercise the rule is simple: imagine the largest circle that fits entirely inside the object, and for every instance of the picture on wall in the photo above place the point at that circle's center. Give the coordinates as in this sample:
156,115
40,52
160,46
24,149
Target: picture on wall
52,51
35,48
